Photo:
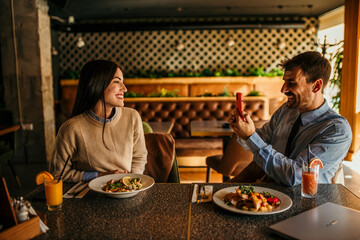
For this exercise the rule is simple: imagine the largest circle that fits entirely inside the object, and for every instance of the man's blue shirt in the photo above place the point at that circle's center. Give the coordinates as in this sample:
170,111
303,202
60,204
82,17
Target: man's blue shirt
327,133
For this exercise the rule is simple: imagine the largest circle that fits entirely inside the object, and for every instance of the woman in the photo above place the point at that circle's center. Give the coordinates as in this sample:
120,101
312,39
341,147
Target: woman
101,137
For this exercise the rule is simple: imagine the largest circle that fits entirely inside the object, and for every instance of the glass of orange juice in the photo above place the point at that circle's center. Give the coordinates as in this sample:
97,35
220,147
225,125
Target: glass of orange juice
309,182
53,194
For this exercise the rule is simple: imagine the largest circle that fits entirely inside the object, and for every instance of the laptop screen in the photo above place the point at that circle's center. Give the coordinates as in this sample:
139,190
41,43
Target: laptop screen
328,221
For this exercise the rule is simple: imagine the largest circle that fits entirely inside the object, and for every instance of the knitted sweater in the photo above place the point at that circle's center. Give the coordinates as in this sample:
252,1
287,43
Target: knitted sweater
80,138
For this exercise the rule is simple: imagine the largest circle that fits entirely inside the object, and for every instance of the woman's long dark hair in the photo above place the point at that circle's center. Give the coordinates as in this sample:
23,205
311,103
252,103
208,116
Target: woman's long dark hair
95,77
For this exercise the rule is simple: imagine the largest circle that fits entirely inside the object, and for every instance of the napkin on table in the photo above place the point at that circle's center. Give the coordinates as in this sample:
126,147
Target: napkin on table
82,187
208,193
43,227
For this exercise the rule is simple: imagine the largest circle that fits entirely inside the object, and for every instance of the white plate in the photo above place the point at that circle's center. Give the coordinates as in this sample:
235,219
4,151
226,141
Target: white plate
285,204
97,183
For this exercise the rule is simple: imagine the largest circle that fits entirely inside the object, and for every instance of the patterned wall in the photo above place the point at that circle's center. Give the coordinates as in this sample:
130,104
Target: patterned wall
188,50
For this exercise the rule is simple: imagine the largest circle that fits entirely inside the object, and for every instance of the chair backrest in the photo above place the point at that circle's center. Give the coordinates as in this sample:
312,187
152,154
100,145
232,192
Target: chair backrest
339,175
235,158
161,155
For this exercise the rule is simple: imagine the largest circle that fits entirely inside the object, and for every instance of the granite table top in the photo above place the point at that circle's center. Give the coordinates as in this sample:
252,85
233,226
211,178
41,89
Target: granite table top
165,211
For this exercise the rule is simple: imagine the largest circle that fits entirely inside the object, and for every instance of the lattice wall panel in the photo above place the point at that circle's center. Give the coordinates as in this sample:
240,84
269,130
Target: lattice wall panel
156,50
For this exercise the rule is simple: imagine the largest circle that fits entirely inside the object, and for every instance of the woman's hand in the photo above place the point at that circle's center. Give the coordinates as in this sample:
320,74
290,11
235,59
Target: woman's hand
243,129
112,172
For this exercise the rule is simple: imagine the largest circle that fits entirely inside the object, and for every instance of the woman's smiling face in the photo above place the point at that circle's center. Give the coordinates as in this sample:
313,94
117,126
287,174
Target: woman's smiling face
114,93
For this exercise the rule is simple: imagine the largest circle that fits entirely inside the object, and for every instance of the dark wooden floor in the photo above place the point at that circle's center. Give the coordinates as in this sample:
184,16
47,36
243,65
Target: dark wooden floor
190,175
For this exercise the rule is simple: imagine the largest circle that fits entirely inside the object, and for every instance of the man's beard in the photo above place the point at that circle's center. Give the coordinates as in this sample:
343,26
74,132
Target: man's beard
292,101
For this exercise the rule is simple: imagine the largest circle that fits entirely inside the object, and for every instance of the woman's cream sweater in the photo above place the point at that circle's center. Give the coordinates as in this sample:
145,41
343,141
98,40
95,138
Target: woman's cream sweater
80,138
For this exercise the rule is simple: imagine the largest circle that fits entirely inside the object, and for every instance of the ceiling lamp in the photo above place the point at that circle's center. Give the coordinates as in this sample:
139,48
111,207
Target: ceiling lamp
179,46
230,41
54,52
280,44
80,43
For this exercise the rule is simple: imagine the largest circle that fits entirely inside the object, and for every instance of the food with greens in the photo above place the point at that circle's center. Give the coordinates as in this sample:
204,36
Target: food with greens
126,184
246,198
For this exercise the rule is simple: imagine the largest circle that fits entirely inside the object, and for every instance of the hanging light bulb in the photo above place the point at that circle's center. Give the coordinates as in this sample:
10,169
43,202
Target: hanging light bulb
310,29
71,19
230,41
280,44
54,52
179,46
80,43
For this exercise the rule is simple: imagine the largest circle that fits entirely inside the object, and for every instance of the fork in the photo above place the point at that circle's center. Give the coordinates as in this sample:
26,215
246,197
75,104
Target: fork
204,196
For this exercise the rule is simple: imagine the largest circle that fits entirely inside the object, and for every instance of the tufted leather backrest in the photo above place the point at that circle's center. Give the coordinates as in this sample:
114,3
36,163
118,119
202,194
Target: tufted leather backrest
183,110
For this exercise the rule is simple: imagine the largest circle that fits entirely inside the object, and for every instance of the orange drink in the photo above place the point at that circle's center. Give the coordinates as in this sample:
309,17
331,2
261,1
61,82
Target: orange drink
54,194
309,181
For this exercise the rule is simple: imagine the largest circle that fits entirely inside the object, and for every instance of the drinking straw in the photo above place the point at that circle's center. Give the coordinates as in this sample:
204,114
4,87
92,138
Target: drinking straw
308,150
67,160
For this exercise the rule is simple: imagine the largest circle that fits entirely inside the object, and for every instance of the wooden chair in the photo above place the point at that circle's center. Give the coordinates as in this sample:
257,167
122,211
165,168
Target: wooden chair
7,142
161,161
234,160
339,175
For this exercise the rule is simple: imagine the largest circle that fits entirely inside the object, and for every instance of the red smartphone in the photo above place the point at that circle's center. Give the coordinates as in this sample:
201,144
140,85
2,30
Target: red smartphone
239,104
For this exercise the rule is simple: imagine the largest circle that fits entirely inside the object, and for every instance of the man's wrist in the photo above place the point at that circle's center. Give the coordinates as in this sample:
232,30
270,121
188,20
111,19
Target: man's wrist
255,142
244,137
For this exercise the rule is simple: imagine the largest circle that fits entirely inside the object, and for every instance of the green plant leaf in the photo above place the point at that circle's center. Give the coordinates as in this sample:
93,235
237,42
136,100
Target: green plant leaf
254,93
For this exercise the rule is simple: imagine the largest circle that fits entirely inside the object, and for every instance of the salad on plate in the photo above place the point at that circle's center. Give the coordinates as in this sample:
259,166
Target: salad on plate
125,184
246,198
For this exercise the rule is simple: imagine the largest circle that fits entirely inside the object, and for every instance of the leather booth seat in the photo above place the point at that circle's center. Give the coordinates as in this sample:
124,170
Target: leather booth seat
183,110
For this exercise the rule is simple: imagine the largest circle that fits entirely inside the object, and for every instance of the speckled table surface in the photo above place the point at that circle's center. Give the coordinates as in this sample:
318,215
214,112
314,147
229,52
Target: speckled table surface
160,212
208,221
165,212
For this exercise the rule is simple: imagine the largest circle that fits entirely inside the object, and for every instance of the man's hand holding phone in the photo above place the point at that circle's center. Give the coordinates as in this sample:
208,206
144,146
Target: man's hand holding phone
239,104
241,124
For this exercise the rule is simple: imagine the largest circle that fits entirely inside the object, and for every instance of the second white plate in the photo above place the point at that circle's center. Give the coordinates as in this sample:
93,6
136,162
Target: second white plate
97,183
286,202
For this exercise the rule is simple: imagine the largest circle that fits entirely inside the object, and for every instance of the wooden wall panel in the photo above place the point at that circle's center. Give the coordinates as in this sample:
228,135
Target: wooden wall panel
350,73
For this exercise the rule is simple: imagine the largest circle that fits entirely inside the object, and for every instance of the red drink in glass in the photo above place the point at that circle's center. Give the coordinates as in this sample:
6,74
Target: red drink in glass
309,182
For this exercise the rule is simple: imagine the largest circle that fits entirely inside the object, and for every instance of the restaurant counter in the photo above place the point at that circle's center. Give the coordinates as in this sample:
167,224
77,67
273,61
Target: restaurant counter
165,211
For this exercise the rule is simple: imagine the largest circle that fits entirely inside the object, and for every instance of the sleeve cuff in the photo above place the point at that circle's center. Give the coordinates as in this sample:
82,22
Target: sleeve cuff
255,142
87,176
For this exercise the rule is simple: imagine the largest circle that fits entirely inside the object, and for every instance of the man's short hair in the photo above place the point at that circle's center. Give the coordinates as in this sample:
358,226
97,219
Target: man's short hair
313,65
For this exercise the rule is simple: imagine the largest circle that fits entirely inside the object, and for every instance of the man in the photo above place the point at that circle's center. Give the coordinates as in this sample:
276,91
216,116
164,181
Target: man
326,134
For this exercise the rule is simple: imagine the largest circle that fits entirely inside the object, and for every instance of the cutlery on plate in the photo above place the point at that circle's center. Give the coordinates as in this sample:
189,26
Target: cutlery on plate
198,194
204,196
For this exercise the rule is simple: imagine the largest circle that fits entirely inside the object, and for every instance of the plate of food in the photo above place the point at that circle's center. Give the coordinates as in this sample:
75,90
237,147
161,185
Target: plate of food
252,200
122,185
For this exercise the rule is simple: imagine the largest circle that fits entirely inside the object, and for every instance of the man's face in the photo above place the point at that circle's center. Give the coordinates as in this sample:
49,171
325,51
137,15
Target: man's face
298,91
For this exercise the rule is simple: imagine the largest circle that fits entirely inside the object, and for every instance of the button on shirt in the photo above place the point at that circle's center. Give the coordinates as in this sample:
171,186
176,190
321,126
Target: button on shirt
327,133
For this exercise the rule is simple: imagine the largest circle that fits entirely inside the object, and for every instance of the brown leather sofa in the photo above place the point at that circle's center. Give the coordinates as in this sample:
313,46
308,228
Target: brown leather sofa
183,110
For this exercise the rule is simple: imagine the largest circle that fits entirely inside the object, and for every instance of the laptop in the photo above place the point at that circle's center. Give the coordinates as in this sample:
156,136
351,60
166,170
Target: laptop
328,221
